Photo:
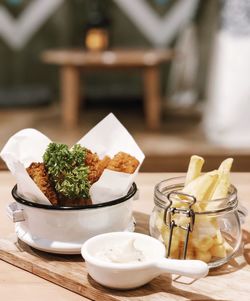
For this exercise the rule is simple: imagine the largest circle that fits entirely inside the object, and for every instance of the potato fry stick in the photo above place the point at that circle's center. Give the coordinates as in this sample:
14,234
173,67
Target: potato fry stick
212,188
204,256
226,165
218,239
218,251
201,186
222,187
223,184
227,247
194,168
220,192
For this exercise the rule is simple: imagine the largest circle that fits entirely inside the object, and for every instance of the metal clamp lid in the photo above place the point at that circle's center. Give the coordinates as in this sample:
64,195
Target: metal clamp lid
169,213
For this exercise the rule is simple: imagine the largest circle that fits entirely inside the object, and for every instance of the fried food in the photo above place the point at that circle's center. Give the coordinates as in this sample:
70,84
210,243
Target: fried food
38,173
95,165
206,242
194,168
123,162
66,175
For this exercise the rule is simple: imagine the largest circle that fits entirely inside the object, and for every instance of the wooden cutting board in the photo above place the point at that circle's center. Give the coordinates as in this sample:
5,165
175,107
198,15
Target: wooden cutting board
69,271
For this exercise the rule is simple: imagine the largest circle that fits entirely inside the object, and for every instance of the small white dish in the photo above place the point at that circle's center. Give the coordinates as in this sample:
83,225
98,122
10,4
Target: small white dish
135,274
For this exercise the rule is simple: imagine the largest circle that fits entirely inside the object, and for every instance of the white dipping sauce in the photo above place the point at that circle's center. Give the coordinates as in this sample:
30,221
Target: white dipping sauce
128,251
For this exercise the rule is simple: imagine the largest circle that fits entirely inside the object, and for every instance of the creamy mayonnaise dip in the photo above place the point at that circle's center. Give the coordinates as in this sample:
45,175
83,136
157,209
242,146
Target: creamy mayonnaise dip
123,252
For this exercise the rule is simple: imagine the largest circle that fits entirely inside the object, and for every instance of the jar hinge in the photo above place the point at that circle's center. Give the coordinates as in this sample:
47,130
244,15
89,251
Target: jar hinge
169,213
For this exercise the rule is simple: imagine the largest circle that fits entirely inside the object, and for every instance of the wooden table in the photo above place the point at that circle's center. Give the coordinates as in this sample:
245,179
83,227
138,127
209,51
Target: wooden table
228,283
71,62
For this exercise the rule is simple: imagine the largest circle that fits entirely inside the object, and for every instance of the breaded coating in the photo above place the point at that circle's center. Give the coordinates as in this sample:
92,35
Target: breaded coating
103,164
40,176
123,162
95,165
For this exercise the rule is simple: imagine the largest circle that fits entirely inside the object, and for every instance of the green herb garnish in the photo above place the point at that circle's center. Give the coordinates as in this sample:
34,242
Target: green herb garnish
67,169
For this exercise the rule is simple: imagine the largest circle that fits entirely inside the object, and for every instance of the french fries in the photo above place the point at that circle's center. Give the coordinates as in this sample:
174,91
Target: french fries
194,168
206,241
203,186
223,184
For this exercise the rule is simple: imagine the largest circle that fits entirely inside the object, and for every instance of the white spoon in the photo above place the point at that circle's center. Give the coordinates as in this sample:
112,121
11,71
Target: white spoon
130,275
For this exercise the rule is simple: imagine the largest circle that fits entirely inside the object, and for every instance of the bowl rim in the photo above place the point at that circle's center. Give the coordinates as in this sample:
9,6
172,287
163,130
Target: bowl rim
23,201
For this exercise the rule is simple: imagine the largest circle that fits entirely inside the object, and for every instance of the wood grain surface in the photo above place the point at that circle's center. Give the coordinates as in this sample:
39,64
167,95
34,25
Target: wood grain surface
229,282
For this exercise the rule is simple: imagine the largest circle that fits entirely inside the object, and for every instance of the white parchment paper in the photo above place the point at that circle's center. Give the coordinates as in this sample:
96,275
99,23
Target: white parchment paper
108,137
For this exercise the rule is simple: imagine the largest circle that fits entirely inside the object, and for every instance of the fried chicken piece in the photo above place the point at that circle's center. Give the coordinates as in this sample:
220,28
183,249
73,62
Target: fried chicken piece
103,164
123,162
95,165
39,175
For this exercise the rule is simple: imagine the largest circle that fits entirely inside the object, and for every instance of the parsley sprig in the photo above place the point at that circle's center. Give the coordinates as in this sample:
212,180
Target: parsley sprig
67,169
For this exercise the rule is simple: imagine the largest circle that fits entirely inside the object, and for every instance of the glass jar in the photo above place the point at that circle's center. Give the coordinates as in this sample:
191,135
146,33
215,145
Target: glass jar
209,231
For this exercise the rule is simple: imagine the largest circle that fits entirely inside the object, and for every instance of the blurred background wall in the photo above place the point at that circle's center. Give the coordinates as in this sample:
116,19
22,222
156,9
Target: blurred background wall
23,74
29,89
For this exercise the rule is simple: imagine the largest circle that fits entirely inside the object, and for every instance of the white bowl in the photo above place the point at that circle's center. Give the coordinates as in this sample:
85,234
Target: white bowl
135,274
64,229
